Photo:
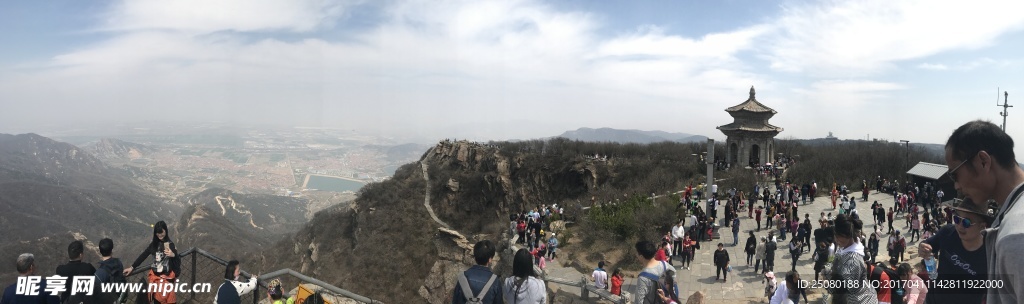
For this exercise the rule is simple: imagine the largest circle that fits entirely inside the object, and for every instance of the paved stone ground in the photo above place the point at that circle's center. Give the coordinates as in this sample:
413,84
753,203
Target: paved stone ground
744,285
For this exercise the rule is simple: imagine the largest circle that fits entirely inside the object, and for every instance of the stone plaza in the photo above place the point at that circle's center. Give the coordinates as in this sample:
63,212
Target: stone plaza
744,285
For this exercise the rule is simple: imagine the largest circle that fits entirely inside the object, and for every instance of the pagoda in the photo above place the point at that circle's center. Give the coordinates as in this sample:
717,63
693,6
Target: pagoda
750,139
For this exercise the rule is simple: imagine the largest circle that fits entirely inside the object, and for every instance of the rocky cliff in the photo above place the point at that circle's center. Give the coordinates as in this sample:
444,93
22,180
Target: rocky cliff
474,180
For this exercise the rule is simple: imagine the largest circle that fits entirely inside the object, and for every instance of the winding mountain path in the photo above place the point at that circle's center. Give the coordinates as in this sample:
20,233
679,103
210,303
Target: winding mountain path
426,196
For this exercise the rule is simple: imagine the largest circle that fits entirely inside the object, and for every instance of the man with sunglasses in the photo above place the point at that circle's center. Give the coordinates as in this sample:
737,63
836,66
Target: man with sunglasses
985,168
961,254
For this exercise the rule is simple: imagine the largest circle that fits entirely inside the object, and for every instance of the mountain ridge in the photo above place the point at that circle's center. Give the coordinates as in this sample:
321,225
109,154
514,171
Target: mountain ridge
54,192
112,148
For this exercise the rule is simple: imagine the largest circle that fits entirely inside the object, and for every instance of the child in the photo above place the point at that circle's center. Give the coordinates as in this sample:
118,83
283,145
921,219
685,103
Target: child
276,294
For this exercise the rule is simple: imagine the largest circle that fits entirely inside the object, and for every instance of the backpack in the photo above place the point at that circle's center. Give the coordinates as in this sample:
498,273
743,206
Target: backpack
115,275
468,292
875,274
661,283
901,244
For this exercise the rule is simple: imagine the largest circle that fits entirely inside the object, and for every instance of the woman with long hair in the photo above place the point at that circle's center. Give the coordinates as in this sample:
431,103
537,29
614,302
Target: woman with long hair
616,286
789,291
524,286
166,263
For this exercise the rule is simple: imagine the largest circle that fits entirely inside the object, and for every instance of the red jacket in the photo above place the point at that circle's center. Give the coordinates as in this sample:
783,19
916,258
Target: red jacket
884,294
617,285
660,256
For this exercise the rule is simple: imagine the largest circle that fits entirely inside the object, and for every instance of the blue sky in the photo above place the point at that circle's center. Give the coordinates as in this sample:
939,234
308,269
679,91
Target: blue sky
514,69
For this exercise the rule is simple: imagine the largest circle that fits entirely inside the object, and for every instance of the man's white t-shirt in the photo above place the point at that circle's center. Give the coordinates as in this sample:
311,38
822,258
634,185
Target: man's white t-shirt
678,232
600,278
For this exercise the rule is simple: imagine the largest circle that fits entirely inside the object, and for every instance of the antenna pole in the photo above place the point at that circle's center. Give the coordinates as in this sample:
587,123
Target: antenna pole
1006,106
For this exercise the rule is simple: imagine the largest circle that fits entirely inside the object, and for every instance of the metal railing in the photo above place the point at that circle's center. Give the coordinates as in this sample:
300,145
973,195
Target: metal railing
586,289
200,266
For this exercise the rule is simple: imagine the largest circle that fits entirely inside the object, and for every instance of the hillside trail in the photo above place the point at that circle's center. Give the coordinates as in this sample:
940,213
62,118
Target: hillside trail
426,196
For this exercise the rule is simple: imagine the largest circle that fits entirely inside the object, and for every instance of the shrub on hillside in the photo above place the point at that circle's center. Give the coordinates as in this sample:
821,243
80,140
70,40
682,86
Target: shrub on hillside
851,162
636,217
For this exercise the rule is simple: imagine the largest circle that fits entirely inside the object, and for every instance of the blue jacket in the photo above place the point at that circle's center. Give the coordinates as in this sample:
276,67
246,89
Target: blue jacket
477,277
227,294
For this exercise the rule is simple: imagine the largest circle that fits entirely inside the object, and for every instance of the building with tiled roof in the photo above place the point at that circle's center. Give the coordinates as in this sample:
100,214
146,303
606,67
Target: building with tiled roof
750,139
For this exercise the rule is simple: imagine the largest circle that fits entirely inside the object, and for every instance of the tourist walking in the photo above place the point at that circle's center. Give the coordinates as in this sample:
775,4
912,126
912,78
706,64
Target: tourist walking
524,286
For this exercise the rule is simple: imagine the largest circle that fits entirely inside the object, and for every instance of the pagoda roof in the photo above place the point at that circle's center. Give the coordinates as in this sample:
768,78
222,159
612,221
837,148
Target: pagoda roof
751,105
735,126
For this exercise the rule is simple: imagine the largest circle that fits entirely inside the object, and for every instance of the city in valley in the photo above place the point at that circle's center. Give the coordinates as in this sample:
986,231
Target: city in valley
175,160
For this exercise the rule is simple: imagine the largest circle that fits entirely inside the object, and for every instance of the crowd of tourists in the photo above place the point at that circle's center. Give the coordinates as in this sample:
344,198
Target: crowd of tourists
164,269
959,241
533,230
969,251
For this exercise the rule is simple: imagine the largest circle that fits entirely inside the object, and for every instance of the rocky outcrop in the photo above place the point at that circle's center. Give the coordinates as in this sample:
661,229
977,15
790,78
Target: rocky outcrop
696,298
455,255
471,179
453,185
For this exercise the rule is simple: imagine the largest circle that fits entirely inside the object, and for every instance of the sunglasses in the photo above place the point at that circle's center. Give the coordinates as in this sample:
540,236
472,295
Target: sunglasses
962,221
952,173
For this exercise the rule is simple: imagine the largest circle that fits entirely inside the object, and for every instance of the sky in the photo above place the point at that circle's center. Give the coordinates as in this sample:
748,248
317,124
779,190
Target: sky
516,69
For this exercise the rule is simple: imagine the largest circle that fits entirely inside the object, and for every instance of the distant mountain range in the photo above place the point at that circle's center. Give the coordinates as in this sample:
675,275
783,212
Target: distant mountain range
53,192
630,136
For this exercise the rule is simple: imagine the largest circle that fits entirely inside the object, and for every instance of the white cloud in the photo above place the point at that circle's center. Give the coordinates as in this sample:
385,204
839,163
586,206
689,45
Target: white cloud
204,16
426,61
964,65
933,66
844,38
654,42
425,64
846,94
